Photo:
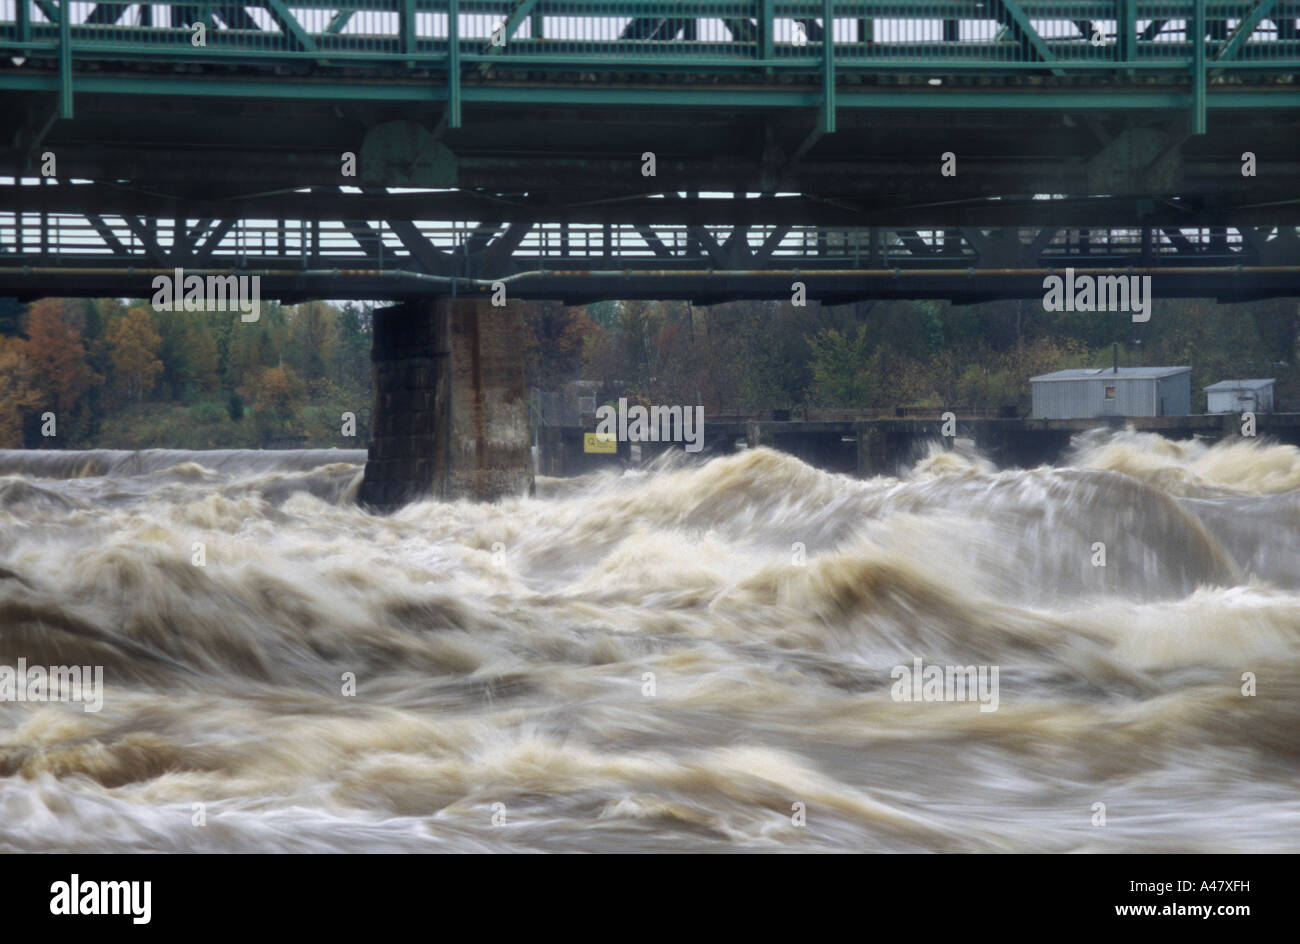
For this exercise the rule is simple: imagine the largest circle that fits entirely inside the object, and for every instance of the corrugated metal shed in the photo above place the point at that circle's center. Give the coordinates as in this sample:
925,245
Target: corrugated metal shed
1240,396
1091,392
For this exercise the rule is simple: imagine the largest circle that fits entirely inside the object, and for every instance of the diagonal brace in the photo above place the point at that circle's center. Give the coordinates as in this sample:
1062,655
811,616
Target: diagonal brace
1244,30
289,25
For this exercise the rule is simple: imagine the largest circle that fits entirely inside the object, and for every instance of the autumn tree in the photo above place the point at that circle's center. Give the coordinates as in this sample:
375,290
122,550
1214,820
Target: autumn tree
19,390
276,394
133,346
55,348
554,343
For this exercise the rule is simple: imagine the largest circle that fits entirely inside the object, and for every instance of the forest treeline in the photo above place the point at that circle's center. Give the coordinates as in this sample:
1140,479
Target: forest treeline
118,374
746,356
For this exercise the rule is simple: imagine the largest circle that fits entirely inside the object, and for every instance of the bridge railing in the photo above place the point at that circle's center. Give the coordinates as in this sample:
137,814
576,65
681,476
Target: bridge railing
936,37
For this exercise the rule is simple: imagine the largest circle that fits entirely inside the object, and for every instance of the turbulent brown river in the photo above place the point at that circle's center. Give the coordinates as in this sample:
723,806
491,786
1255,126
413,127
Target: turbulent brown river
701,656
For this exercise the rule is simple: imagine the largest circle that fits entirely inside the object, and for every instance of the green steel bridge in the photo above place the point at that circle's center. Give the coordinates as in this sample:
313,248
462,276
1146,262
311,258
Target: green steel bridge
888,148
433,152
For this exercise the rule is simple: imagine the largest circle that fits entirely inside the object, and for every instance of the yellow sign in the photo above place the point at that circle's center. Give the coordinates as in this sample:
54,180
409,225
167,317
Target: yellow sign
600,442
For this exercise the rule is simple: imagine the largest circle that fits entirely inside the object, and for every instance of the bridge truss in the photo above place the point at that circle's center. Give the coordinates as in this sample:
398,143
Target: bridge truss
462,41
795,140
377,244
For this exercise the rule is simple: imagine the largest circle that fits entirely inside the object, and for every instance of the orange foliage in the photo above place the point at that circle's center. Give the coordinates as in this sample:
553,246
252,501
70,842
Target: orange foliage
54,346
133,346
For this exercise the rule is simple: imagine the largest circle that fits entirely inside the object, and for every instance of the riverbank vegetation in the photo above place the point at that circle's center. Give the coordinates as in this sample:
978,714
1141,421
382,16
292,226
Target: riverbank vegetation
118,374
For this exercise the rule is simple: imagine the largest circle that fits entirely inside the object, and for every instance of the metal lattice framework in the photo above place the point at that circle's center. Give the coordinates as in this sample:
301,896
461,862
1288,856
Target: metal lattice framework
759,43
213,132
118,252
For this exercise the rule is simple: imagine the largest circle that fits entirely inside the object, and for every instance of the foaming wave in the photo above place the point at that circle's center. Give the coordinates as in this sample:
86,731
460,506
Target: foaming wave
663,659
1193,467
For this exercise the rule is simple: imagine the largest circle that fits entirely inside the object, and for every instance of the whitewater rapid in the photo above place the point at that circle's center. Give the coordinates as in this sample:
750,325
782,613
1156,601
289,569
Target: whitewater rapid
694,657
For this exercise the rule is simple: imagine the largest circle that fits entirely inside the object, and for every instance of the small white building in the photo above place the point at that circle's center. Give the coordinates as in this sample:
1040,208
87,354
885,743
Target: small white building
1240,396
1095,392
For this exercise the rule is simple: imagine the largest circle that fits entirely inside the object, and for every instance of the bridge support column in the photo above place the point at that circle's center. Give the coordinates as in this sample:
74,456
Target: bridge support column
450,414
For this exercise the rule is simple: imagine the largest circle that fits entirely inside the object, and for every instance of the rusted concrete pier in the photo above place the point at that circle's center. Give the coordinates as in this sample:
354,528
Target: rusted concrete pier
450,413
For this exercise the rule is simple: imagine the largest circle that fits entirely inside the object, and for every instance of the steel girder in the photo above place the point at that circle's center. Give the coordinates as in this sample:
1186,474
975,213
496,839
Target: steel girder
56,252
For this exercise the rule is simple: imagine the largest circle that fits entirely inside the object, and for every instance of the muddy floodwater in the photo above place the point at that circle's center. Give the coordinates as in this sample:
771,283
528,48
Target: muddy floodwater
703,656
